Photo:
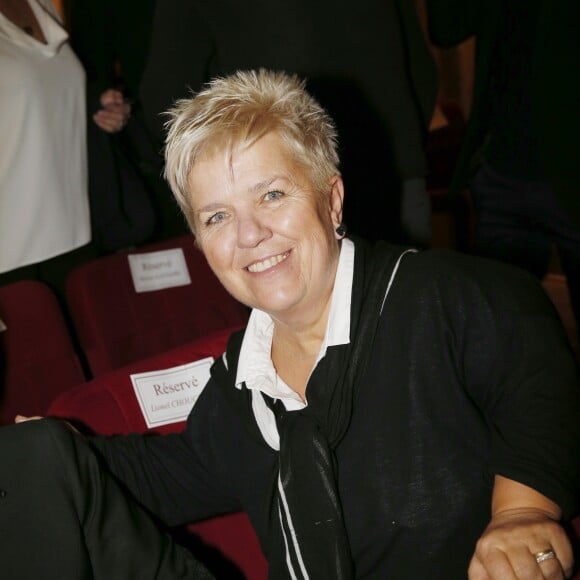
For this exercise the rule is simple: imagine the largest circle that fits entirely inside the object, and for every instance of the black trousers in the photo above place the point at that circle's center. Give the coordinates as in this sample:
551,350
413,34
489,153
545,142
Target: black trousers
63,516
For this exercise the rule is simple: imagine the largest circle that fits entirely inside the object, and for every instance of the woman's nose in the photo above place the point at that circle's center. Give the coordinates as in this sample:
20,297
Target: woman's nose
251,231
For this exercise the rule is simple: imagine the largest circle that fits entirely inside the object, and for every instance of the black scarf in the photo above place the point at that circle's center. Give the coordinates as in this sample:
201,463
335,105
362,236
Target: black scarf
307,538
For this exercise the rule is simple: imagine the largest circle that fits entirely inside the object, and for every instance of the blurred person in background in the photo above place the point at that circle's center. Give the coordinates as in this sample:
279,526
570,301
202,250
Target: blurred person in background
44,208
130,202
521,149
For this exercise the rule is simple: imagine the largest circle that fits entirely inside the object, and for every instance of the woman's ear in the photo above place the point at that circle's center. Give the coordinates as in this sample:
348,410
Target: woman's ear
336,200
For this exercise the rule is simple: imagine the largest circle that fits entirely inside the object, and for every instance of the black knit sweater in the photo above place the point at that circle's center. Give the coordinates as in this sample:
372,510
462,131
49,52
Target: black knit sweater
470,376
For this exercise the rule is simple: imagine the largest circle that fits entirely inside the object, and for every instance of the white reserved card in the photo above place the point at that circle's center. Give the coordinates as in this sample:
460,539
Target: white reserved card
167,396
158,270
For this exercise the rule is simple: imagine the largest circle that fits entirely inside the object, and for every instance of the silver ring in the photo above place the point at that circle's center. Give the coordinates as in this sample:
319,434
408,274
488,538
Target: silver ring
544,555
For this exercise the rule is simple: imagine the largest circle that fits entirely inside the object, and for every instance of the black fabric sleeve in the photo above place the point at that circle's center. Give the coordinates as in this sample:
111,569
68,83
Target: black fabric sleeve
177,477
518,368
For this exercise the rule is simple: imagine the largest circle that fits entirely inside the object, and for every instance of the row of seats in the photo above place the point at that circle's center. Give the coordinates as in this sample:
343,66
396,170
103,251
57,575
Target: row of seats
38,358
124,307
123,332
117,325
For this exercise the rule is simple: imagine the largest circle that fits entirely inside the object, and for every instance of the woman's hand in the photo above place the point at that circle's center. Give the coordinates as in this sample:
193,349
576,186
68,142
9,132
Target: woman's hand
114,112
524,525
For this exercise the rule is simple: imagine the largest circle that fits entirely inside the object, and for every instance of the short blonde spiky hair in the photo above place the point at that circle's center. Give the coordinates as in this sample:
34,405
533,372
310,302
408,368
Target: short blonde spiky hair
235,111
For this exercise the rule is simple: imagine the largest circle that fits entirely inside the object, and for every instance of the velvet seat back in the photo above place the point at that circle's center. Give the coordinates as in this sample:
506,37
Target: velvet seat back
37,358
117,325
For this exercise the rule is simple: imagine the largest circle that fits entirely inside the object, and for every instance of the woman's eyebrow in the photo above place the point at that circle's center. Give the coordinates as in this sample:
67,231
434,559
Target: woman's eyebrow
264,184
209,207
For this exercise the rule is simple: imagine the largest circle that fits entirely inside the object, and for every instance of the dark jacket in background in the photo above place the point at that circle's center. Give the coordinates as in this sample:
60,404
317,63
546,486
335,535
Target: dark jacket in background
367,64
111,38
555,85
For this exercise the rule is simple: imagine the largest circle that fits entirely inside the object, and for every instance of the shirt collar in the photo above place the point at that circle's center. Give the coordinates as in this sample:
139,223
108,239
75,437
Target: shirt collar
48,21
255,367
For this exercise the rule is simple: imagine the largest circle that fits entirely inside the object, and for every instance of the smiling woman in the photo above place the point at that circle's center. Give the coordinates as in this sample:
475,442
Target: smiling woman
386,413
328,355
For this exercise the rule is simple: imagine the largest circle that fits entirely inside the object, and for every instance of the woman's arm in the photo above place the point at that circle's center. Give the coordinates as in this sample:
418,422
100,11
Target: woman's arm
512,358
523,524
164,473
174,481
518,369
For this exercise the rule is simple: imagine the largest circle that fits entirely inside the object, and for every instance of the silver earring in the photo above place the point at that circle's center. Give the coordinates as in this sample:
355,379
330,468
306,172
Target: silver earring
341,231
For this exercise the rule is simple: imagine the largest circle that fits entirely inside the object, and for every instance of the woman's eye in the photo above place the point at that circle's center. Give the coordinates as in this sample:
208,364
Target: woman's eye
216,218
273,195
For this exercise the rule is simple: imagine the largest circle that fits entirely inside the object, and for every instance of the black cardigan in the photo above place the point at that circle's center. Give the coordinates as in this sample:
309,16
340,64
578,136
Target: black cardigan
555,88
471,375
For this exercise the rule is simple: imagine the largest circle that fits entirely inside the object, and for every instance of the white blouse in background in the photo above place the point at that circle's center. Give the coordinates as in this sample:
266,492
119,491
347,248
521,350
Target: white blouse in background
44,208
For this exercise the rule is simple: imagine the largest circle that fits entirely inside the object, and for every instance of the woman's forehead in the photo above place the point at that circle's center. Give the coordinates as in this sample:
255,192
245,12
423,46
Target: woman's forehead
249,166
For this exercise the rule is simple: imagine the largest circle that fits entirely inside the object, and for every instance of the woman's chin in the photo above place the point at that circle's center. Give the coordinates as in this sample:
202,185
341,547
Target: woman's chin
276,304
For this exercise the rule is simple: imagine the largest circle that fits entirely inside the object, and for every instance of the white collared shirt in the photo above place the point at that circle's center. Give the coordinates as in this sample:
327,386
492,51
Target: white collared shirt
255,367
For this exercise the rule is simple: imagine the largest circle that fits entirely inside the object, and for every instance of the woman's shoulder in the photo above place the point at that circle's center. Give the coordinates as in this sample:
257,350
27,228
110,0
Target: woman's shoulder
455,278
446,265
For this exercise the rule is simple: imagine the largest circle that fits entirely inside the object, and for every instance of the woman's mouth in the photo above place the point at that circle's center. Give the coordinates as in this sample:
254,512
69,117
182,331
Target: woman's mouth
268,263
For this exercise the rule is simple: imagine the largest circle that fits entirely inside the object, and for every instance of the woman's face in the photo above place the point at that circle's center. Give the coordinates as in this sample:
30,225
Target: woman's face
266,233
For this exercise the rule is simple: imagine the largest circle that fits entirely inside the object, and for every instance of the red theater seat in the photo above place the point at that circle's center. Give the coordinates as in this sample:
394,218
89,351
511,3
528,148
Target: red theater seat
117,325
38,358
108,405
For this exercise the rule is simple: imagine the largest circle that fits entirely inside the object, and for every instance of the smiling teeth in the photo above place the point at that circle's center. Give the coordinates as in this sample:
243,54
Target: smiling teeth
268,263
